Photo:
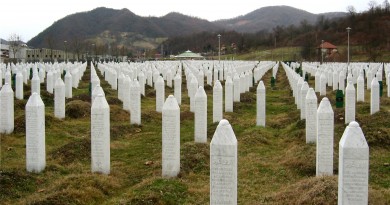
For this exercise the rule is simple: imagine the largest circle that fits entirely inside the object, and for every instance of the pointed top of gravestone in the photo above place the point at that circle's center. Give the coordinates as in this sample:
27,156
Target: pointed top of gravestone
305,86
34,100
6,88
217,85
350,86
325,106
224,134
353,137
170,104
374,82
200,93
193,80
100,101
311,94
177,76
229,80
261,86
59,83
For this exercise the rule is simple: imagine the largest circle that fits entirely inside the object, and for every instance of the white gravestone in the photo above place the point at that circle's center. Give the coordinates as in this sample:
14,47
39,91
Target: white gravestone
100,135
317,79
35,134
374,96
121,79
19,86
335,80
160,93
360,88
353,167
297,89
200,78
201,116
323,81
49,82
177,88
236,88
350,103
126,93
342,81
135,103
141,77
35,84
170,138
311,116
303,91
223,165
59,99
388,85
229,95
261,103
6,109
217,102
68,85
325,132
192,91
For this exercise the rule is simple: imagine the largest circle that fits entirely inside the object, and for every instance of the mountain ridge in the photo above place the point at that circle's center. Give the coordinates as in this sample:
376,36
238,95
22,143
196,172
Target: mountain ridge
125,28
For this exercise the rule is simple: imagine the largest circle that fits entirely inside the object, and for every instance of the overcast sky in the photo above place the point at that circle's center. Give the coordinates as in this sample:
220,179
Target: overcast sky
29,17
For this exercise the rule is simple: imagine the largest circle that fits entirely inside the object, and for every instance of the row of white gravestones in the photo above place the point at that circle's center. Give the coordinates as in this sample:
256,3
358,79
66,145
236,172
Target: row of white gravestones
193,87
200,115
68,85
35,134
97,91
35,84
170,138
261,103
6,109
100,135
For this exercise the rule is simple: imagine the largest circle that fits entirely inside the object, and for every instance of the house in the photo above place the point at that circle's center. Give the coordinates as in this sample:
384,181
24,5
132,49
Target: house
328,51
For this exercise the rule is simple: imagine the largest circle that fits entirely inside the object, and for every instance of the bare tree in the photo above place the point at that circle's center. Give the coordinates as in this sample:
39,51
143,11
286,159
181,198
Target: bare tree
77,46
351,10
386,6
15,43
372,5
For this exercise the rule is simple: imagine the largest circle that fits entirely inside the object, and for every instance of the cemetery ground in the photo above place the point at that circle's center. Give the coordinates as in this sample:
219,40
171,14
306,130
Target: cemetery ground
275,165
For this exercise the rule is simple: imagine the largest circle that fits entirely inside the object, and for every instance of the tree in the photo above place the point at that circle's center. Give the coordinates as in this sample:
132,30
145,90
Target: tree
386,6
351,10
15,43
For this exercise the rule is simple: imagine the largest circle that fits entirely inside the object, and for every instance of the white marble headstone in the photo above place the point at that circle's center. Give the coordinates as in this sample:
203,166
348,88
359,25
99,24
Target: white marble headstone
59,99
217,102
170,138
160,93
375,101
261,103
303,93
360,88
201,116
311,116
35,134
135,103
177,88
19,86
229,94
350,103
100,135
223,165
325,133
6,109
236,88
353,167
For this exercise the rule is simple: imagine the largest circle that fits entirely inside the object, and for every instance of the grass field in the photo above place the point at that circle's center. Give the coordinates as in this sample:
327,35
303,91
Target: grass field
275,165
